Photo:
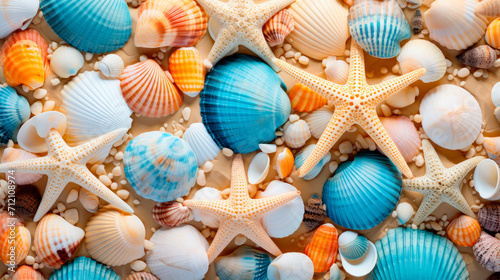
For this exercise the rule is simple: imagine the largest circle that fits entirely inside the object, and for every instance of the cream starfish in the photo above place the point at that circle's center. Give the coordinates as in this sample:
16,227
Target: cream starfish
241,23
355,103
64,164
440,184
239,214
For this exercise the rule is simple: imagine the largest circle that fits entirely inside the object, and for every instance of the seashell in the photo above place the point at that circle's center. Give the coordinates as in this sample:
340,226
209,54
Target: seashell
31,135
487,250
358,184
296,266
66,61
114,237
148,91
314,213
417,22
488,8
479,57
322,249
176,23
5,222
301,157
451,117
320,28
18,237
453,24
285,220
84,268
494,276
23,65
392,27
495,94
142,276
487,179
492,36
179,253
243,263
111,66
171,214
207,193
28,199
201,142
405,212
186,67
489,217
404,134
14,110
402,98
413,4
464,231
318,120
259,168
26,272
108,24
16,14
492,147
160,166
358,255
423,54
56,240
335,273
284,163
304,99
278,27
243,96
13,154
336,71
89,200
296,134
421,254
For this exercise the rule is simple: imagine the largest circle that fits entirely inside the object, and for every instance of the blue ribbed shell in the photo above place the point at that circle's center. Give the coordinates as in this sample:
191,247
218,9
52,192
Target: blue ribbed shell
84,268
160,166
363,192
95,26
243,103
14,110
301,157
408,254
245,263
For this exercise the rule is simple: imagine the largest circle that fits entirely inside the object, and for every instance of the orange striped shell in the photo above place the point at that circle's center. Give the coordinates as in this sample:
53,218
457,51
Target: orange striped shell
186,67
493,34
464,231
148,91
5,222
278,27
23,65
14,245
284,163
304,99
27,273
323,248
142,276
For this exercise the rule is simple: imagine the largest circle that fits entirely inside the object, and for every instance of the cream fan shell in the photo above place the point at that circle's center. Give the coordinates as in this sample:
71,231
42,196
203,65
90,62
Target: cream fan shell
66,61
318,120
111,66
296,266
402,98
404,134
296,134
204,147
423,54
12,154
336,70
495,94
207,193
89,200
16,14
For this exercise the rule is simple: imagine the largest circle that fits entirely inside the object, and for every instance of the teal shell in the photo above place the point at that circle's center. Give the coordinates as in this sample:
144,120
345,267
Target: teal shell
84,268
245,263
363,192
95,26
14,110
301,157
408,254
243,103
160,166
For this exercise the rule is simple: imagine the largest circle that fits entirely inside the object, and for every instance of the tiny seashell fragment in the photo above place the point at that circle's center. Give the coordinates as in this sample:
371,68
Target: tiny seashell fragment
28,199
315,212
480,57
405,212
171,214
142,276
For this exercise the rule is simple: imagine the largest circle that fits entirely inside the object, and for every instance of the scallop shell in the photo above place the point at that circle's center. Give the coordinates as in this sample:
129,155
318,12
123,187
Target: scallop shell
352,246
451,117
171,214
160,166
23,65
176,23
142,276
314,213
417,22
16,14
111,66
301,157
27,273
21,237
284,163
489,217
6,221
320,28
186,67
259,168
66,61
84,268
14,110
492,36
336,71
243,263
392,27
148,90
488,8
115,238
464,231
479,57
13,154
304,99
89,26
318,120
297,134
56,240
28,199
487,252
492,147
453,24
423,54
296,266
207,193
404,134
89,200
322,249
278,27
201,142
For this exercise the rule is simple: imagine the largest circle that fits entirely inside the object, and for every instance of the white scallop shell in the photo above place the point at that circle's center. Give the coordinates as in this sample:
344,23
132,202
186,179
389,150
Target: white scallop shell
318,120
16,14
259,168
296,134
89,200
111,66
495,94
336,71
296,266
201,142
423,54
402,98
31,135
207,193
66,61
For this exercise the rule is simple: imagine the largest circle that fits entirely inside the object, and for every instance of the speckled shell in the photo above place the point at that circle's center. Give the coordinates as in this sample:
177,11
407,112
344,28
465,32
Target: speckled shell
423,54
404,134
464,231
201,142
492,35
244,263
16,14
284,163
23,65
28,199
278,27
22,245
301,157
417,22
318,120
296,266
14,110
84,268
13,154
142,276
186,67
479,57
304,99
26,272
323,248
171,214
488,8
487,252
296,134
111,66
489,217
315,212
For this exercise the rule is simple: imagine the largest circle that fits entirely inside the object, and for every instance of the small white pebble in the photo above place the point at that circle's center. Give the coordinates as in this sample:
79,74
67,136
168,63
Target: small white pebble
462,83
346,147
448,63
208,166
470,153
268,148
48,105
143,58
148,245
40,93
240,239
136,202
287,47
478,73
201,179
386,110
88,56
105,180
371,145
138,265
123,194
227,152
119,156
61,207
117,171
29,260
71,215
417,118
114,186
333,166
464,72
419,162
304,60
289,54
450,77
36,108
186,113
72,196
293,118
101,170
384,70
55,82
343,158
179,133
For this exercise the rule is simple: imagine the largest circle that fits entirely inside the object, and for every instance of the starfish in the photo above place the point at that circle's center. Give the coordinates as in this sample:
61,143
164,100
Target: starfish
64,164
241,24
440,184
239,214
355,103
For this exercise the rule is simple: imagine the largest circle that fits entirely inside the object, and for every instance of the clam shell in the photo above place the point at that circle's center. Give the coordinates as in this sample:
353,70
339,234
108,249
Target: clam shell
492,36
352,246
171,214
31,135
66,61
489,217
301,157
417,22
111,66
318,120
16,14
336,71
479,57
5,222
28,199
405,212
27,273
314,213
487,179
278,27
201,142
296,266
13,154
297,134
284,163
207,193
243,263
142,276
402,98
89,200
492,147
423,54
304,99
14,110
259,168
84,268
404,134
322,249
487,252
464,231
22,241
186,67
488,8
23,65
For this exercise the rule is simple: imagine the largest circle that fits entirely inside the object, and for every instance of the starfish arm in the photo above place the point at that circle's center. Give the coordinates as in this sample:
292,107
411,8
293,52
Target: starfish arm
357,74
259,235
225,234
54,188
239,190
85,152
42,165
268,9
392,86
259,46
420,184
433,164
428,205
457,200
459,171
225,42
55,144
219,208
216,9
265,205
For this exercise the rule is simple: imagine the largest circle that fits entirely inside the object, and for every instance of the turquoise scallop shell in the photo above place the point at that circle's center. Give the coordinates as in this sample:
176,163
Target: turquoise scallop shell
243,103
84,268
301,157
160,166
14,110
408,254
100,26
245,263
363,192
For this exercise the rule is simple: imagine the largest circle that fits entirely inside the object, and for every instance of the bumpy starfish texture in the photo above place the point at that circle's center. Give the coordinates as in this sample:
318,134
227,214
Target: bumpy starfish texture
440,184
239,214
64,164
241,24
355,103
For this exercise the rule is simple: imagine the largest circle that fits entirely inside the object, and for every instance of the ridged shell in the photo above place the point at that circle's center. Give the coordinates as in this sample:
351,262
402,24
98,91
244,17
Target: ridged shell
318,120
142,276
464,231
417,22
402,98
451,117
453,24
492,147
186,67
160,166
322,249
148,90
20,239
115,238
84,268
14,110
284,163
487,252
391,27
492,35
371,179
320,28
314,213
201,142
335,272
405,253
423,54
352,246
28,199
243,96
89,200
278,27
488,8
16,14
336,71
301,157
13,154
489,217
5,222
479,57
89,26
171,214
66,61
304,99
243,263
176,23
23,65
404,134
296,266
56,240
111,66
296,134
494,276
26,272
207,193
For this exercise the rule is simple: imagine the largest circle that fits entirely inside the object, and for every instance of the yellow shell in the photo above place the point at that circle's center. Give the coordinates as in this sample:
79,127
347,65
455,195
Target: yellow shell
23,64
304,99
284,163
186,67
464,231
14,245
493,34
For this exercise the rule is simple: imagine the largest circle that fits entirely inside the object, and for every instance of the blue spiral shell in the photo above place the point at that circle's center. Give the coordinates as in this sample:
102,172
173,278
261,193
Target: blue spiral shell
245,263
301,157
84,268
363,192
14,110
243,103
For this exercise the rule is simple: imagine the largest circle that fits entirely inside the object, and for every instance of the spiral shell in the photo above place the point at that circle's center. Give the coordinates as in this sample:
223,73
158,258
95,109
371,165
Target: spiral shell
315,212
479,57
304,99
171,214
464,231
28,199
278,27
